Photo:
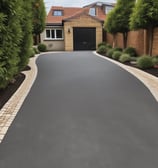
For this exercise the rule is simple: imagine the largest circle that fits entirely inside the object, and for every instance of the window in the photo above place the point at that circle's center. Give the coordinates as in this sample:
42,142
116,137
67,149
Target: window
108,9
59,34
57,13
54,34
92,11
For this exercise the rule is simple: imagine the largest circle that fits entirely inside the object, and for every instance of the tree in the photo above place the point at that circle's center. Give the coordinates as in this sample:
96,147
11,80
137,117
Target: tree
120,18
110,25
27,37
10,39
39,16
145,16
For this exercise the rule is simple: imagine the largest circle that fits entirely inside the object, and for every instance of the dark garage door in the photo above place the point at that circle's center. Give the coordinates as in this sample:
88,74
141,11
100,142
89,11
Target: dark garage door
84,38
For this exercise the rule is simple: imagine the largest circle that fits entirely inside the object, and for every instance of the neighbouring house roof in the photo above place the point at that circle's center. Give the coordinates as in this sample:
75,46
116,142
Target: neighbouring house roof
74,12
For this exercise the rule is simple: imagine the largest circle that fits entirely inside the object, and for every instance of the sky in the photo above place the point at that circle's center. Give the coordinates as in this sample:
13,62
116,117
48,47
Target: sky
71,3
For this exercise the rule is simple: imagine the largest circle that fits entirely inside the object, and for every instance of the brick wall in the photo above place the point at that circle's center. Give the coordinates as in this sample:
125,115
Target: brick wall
81,21
136,39
155,42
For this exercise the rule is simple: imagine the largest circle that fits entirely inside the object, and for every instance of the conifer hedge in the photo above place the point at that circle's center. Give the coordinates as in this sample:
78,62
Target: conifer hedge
16,26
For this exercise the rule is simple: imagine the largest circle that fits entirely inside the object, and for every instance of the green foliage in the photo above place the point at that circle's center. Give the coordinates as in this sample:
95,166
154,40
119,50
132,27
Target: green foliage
118,19
36,50
26,41
42,47
144,62
155,60
123,11
116,55
110,22
10,37
125,58
102,49
145,14
16,27
102,43
117,49
108,46
39,16
110,52
131,51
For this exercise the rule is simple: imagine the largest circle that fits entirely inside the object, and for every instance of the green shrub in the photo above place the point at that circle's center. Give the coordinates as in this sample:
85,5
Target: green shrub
131,51
116,55
155,60
145,62
42,47
117,49
110,52
32,52
102,44
36,50
102,49
108,46
124,58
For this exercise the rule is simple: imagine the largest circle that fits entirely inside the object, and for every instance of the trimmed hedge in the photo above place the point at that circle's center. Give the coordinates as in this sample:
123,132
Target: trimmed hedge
144,62
110,53
102,49
124,58
116,55
131,51
42,47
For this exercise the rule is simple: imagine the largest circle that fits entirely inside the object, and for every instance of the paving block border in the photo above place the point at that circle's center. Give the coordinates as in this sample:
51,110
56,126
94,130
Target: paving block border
150,81
11,108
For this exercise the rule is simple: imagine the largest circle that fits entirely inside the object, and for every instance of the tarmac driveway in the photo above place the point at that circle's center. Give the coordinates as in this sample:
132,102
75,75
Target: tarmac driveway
83,112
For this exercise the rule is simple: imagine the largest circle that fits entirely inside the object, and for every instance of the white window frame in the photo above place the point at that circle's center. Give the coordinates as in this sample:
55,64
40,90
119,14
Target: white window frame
55,34
108,9
92,11
57,13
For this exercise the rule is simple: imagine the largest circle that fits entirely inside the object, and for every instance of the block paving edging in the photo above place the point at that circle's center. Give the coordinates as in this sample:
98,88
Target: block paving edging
11,108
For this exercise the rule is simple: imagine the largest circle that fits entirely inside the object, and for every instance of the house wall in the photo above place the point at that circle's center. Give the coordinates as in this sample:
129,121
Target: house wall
137,39
81,21
52,45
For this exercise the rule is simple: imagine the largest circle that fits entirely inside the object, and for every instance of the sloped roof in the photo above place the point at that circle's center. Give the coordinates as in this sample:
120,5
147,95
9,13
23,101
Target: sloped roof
73,12
67,12
85,11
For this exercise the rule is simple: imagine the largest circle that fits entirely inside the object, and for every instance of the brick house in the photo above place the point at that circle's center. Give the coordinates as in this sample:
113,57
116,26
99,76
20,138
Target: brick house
72,28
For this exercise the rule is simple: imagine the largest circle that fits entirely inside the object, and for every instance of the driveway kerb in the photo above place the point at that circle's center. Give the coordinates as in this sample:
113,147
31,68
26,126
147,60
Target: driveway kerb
150,81
11,108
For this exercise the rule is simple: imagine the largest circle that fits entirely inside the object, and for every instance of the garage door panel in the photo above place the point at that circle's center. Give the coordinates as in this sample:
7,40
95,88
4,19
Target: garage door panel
84,38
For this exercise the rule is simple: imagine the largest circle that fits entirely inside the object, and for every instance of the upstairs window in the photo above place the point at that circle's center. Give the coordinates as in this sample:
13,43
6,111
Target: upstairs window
108,9
92,11
57,13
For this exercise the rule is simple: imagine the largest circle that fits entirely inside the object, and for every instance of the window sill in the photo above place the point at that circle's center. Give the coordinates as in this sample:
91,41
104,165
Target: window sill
53,39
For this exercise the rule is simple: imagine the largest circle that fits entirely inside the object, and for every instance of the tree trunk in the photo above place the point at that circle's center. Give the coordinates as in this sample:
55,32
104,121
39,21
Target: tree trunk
125,35
150,34
114,41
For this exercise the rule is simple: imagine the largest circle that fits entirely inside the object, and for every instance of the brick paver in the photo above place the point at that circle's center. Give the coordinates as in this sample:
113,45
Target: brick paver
11,108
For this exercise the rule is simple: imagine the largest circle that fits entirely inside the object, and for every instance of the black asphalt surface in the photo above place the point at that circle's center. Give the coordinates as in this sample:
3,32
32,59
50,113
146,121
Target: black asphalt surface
83,112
